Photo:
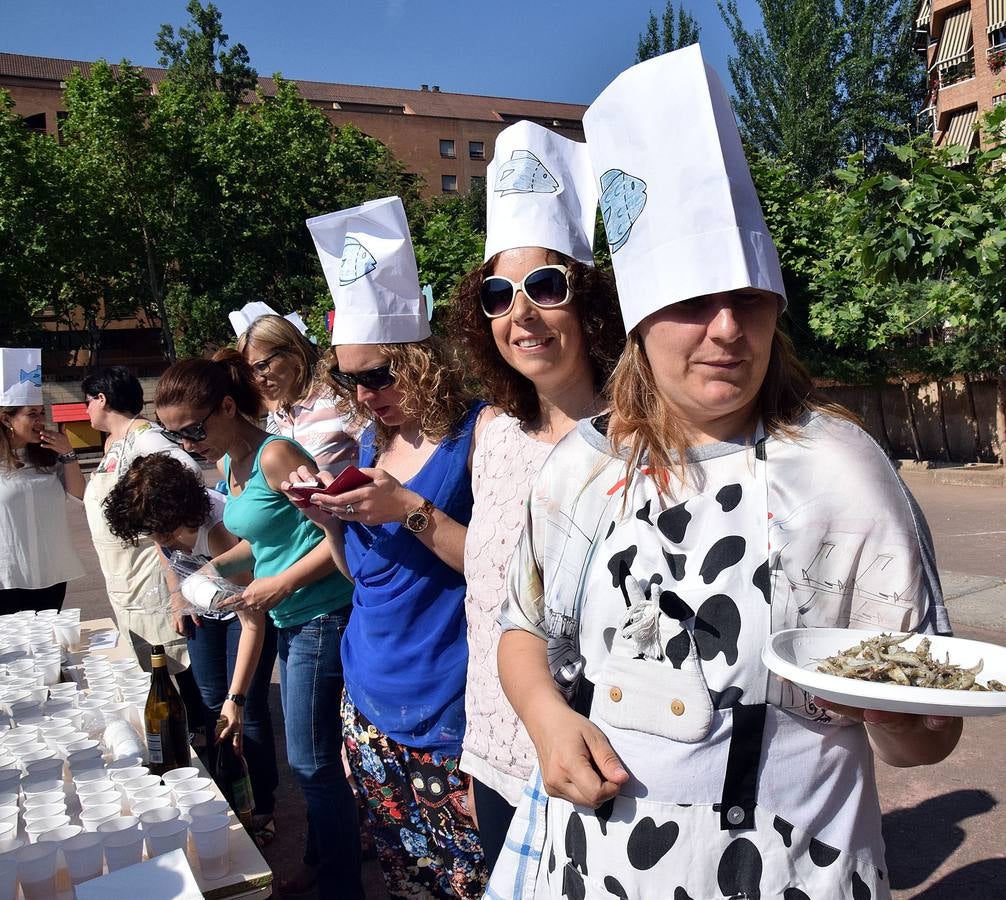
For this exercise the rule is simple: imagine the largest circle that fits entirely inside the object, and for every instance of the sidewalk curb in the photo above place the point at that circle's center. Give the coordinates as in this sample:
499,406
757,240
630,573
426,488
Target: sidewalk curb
971,475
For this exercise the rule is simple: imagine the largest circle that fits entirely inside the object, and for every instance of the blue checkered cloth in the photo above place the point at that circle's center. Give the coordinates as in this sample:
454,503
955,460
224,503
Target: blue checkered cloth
516,870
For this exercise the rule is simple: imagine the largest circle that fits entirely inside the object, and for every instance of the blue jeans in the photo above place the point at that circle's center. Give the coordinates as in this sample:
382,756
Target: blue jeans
310,667
213,650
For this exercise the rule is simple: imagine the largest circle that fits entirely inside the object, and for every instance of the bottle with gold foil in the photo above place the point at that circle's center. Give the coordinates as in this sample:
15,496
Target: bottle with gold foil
164,719
230,772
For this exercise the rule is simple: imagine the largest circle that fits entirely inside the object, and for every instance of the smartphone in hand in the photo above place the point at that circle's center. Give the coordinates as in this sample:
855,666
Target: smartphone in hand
348,479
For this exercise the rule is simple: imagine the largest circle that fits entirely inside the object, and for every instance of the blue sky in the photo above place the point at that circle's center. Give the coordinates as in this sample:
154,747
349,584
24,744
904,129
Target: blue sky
565,50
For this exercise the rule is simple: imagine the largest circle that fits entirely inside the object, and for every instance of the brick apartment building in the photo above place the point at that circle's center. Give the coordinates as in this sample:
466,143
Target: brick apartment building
965,47
444,138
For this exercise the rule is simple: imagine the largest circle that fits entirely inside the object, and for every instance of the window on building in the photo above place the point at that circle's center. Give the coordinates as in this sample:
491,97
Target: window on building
35,123
449,184
997,37
476,149
447,149
998,99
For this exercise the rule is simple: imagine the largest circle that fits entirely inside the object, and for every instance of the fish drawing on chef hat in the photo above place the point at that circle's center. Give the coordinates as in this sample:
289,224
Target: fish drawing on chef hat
622,200
524,173
357,261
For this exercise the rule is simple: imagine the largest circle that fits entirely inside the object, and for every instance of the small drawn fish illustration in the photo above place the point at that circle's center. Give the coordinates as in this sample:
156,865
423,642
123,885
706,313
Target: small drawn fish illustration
34,376
623,197
357,261
524,173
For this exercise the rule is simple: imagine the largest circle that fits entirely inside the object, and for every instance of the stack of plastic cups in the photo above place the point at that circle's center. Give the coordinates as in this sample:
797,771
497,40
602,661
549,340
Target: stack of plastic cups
66,629
84,855
122,841
36,870
211,835
59,837
131,786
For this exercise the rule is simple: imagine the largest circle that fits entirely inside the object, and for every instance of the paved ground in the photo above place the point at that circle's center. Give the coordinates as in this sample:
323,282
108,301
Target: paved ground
944,824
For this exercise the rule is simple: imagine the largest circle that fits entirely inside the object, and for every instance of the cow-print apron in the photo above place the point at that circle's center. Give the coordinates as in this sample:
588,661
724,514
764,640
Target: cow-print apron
675,613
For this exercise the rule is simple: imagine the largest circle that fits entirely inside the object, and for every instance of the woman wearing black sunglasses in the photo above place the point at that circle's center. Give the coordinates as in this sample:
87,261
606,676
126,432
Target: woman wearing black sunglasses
541,333
211,406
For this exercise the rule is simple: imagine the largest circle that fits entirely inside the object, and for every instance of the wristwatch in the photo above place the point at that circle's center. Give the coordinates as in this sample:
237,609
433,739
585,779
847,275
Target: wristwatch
418,519
237,699
67,458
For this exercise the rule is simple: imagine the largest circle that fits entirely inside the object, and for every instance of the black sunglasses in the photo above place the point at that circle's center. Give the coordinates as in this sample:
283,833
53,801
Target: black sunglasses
372,379
193,433
546,287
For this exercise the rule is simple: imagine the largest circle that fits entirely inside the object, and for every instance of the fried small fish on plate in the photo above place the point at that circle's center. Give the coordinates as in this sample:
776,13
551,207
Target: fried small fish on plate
920,674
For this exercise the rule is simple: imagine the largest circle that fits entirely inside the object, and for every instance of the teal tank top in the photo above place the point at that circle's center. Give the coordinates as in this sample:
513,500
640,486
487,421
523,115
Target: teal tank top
279,536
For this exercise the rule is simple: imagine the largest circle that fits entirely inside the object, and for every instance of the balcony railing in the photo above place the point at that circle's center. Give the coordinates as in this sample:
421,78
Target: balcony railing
957,70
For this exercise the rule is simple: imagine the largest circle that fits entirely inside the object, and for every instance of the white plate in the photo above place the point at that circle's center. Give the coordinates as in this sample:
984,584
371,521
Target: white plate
794,654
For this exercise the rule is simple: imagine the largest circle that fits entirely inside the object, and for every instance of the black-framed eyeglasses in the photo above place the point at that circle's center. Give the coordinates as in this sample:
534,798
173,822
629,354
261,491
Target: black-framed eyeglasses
546,287
376,379
262,366
193,433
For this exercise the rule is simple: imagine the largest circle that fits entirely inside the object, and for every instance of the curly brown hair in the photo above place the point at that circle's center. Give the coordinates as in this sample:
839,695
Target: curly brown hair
430,377
157,494
596,303
642,425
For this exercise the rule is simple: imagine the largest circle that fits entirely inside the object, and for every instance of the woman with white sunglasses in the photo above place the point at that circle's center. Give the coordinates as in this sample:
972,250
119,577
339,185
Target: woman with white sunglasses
541,331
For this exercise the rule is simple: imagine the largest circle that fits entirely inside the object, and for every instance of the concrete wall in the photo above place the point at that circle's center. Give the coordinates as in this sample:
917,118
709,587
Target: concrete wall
955,436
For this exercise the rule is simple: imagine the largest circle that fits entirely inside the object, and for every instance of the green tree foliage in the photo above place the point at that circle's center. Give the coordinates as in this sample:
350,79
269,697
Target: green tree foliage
822,79
672,32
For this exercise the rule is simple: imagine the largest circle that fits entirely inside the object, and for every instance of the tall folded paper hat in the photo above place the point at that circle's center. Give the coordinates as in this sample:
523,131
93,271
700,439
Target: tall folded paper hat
540,193
21,372
241,319
679,206
367,257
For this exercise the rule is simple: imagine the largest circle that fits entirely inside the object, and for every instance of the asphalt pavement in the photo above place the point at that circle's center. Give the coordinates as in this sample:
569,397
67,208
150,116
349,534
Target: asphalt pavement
944,824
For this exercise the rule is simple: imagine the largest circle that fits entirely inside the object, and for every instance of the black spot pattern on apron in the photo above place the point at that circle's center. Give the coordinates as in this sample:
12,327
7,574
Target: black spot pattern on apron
619,566
794,894
576,844
674,607
613,886
603,813
681,894
676,564
644,514
729,496
726,552
763,581
717,627
821,854
572,884
673,523
725,699
784,829
551,860
611,528
860,889
740,870
648,843
678,648
609,638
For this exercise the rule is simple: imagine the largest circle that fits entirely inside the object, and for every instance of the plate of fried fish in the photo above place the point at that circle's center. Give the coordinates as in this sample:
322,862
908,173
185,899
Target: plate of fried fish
910,673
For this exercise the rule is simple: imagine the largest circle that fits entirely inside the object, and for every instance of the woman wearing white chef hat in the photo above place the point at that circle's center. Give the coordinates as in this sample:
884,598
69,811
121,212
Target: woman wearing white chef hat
719,502
38,471
541,331
400,538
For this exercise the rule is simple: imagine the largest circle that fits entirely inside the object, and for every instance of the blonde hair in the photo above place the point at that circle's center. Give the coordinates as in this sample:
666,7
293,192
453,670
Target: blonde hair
276,334
430,378
642,424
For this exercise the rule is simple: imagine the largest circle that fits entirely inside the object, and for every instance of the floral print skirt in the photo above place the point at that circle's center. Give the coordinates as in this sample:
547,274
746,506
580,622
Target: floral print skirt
417,801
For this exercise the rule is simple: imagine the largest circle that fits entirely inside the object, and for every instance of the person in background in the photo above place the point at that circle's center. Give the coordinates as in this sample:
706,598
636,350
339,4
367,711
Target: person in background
38,471
231,653
720,502
284,363
541,331
401,539
132,573
211,407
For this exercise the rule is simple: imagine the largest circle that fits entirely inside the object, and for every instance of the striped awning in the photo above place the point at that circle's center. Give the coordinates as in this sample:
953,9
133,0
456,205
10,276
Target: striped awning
961,128
956,40
925,14
997,14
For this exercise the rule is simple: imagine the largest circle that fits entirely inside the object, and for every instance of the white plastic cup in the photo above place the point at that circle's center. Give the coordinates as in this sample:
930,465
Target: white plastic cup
45,798
10,779
36,870
40,785
150,793
84,855
120,775
33,814
123,849
86,776
211,835
139,807
105,798
209,808
8,831
8,878
95,786
9,816
94,816
163,837
51,766
154,816
41,826
190,785
175,776
67,634
187,801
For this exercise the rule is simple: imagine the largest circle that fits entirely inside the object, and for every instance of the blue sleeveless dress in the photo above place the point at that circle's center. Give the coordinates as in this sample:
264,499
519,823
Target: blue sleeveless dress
405,652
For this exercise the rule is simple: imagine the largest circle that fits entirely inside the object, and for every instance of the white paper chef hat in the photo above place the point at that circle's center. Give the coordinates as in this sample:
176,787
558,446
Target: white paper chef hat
22,377
540,193
679,206
367,257
241,319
